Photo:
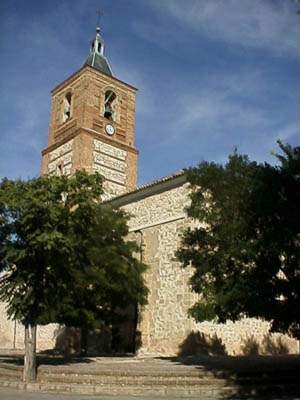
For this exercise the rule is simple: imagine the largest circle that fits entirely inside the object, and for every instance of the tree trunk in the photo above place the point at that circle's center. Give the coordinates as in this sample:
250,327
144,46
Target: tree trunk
29,374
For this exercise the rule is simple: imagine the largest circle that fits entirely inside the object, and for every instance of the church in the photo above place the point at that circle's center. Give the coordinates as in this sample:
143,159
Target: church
92,127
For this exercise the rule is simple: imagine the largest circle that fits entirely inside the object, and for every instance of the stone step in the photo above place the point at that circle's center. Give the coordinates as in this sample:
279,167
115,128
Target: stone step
202,377
193,384
163,379
11,372
178,374
139,382
149,381
205,392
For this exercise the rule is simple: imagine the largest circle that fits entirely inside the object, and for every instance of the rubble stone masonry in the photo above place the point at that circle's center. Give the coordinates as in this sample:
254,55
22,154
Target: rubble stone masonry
164,325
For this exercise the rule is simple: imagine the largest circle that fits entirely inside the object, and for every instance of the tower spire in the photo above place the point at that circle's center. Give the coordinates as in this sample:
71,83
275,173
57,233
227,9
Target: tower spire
96,58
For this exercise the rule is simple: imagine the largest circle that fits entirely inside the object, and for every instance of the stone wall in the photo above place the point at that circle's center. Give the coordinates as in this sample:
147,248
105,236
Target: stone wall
160,219
164,325
12,334
249,336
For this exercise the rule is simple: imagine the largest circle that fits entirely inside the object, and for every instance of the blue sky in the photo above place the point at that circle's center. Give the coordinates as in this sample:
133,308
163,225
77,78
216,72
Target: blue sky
211,74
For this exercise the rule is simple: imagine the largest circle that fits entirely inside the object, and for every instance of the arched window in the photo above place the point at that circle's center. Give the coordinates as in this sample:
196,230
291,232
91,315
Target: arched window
110,105
59,169
67,107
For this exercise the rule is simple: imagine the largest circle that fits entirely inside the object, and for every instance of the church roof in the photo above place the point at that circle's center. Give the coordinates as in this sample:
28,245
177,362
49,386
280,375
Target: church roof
180,173
96,58
149,189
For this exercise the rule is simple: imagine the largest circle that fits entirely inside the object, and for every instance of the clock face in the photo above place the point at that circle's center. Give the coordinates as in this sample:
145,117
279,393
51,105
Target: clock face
110,130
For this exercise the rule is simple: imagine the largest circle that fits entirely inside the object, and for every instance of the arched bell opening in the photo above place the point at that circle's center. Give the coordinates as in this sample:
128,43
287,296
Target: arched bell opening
67,107
109,104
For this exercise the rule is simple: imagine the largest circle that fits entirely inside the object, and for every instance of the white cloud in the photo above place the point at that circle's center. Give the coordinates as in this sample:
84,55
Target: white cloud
249,23
219,102
221,111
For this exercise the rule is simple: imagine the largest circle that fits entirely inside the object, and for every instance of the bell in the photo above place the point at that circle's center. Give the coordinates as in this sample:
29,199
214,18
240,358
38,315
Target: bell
108,111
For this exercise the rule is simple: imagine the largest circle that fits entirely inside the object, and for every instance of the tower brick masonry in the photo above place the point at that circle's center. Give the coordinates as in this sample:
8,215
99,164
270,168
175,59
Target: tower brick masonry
92,128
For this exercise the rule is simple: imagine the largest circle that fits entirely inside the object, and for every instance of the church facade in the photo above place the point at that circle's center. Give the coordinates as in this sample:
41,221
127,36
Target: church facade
92,127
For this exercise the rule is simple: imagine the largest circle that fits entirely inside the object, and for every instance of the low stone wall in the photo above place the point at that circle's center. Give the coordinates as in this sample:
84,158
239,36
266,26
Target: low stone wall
63,339
12,333
249,336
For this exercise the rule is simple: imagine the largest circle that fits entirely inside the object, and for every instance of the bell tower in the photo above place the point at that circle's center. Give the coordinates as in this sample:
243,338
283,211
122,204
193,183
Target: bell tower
92,125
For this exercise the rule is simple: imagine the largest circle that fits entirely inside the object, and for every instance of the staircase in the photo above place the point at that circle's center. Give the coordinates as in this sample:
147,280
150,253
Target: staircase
157,377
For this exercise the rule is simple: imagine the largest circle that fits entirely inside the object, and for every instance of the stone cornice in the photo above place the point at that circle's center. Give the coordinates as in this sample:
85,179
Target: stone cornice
151,189
95,135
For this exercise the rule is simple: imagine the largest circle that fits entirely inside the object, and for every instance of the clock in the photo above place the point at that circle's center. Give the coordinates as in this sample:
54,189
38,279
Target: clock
109,129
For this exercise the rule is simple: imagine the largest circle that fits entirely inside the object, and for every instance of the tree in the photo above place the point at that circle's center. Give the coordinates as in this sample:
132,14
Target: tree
107,277
63,256
245,249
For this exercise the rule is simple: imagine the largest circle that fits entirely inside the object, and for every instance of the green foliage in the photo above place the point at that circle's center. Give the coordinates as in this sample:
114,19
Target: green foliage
245,249
63,256
108,278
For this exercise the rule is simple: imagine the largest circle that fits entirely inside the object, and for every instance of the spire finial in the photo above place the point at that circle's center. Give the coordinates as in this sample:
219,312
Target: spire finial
96,58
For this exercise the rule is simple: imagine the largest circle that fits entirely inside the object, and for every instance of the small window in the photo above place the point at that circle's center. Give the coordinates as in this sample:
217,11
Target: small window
110,105
67,107
59,169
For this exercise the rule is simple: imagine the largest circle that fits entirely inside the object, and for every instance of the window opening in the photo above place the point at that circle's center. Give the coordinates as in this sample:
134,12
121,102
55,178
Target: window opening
67,107
59,169
109,104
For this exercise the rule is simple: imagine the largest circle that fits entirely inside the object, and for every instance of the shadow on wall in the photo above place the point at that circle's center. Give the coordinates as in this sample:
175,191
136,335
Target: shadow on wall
197,343
269,345
109,340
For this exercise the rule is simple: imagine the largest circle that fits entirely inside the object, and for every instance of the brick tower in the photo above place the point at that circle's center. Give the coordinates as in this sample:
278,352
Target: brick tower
92,125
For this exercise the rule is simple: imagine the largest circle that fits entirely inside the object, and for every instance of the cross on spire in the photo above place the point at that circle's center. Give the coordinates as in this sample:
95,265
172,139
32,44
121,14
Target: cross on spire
100,13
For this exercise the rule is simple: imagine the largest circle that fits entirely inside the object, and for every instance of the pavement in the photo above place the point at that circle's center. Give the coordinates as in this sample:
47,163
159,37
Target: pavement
129,362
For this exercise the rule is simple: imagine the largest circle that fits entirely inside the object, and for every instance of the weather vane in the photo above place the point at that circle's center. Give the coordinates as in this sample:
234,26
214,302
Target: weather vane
100,13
